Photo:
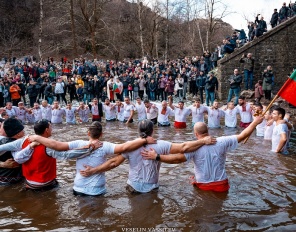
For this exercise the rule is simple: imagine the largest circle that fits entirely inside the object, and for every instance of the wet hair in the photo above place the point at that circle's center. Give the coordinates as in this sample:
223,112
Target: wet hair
259,105
242,97
280,111
146,101
138,98
181,102
145,128
95,130
41,126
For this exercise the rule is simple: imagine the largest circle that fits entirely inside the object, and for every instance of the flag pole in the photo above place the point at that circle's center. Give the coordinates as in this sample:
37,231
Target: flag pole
271,103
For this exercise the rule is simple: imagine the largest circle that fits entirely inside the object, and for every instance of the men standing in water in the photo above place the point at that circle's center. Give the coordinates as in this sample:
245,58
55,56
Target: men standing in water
197,111
163,113
38,162
180,112
94,185
143,174
245,112
279,138
209,160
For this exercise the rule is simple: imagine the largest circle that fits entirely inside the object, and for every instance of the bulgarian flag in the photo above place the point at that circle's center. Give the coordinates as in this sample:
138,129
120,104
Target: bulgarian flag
115,88
288,91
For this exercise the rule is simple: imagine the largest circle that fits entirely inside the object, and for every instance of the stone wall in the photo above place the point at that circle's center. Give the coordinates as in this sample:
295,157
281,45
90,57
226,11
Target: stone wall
276,47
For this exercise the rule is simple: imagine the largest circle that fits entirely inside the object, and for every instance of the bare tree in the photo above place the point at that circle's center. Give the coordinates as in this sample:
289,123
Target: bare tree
73,27
40,30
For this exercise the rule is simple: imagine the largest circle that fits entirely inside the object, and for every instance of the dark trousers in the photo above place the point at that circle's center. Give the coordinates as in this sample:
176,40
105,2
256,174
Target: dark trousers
61,96
141,94
15,101
32,100
1,100
201,92
267,94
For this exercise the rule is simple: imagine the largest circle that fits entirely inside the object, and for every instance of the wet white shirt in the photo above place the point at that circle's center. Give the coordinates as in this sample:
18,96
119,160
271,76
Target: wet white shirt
276,136
12,112
120,113
30,118
37,114
143,174
209,160
57,115
231,117
70,115
198,113
268,130
214,117
83,114
127,110
141,110
46,112
151,112
260,128
181,115
110,113
95,184
164,118
21,114
246,116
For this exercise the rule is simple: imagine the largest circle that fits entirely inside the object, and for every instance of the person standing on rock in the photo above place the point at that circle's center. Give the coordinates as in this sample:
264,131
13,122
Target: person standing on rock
235,80
248,62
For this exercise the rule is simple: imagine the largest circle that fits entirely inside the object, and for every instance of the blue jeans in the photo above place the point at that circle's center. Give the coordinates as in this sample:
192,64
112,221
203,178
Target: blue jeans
248,79
236,92
210,97
152,96
50,100
87,97
125,92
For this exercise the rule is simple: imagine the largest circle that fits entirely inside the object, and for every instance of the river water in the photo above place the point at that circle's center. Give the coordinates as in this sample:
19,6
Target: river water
262,194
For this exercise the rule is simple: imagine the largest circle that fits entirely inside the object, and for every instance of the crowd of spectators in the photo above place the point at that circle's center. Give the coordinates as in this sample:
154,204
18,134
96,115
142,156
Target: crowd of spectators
29,81
257,28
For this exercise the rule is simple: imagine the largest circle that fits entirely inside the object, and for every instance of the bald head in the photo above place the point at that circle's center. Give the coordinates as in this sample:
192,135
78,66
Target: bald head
200,128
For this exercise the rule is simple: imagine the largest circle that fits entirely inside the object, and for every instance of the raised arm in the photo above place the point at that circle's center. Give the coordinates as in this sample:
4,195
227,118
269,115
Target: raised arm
191,145
108,165
248,131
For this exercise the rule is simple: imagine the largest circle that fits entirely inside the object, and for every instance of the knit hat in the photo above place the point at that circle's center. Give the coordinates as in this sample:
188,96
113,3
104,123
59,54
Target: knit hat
12,126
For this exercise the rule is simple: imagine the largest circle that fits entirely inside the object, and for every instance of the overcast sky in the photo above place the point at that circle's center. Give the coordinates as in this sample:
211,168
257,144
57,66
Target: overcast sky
249,8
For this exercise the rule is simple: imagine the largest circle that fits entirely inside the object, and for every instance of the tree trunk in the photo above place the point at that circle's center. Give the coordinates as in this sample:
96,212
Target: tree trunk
167,32
40,30
141,26
73,28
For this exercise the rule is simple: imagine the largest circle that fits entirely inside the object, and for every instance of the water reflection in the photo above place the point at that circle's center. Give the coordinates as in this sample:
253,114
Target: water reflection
261,197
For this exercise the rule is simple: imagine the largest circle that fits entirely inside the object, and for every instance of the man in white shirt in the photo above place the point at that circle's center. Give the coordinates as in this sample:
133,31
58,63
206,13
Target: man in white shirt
245,111
128,112
163,113
260,127
197,111
151,111
140,108
10,110
37,112
93,185
110,111
21,112
231,115
46,110
119,107
57,113
214,115
180,112
280,132
144,174
83,112
96,110
209,160
70,113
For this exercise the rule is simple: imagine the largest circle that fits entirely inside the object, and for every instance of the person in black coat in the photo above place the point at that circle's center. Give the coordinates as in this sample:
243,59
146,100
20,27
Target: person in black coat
274,18
32,92
71,87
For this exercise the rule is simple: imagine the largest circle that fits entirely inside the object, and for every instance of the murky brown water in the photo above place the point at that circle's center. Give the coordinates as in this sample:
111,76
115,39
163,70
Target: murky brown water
262,194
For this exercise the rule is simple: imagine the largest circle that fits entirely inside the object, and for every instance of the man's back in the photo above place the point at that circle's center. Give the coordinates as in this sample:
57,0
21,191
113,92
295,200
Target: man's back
209,160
